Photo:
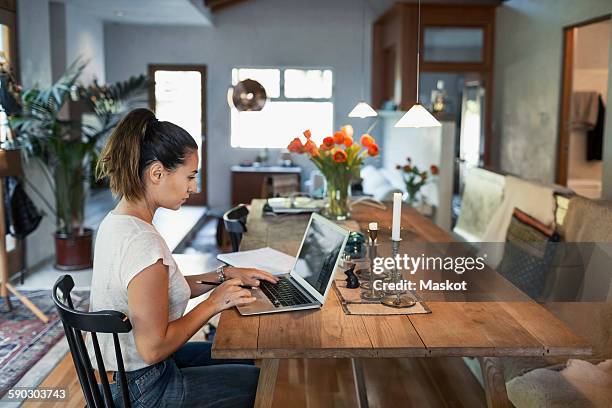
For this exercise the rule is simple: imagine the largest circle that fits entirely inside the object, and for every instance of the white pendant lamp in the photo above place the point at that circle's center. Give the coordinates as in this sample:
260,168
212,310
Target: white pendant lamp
418,116
362,110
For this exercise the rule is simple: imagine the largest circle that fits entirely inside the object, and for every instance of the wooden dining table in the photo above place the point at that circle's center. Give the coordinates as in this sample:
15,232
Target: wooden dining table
486,330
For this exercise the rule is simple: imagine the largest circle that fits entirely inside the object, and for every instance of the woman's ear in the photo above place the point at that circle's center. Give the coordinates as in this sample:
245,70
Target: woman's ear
155,172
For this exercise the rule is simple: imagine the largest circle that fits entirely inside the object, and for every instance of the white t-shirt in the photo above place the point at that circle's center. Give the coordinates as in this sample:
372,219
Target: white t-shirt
125,245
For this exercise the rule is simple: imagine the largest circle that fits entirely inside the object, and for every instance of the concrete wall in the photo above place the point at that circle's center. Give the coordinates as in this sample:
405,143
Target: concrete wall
528,55
261,33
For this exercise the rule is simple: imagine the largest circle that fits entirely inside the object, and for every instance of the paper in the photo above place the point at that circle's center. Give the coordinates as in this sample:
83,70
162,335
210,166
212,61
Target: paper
266,259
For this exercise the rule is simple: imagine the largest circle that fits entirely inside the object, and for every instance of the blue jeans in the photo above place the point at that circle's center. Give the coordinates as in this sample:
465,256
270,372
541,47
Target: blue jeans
191,378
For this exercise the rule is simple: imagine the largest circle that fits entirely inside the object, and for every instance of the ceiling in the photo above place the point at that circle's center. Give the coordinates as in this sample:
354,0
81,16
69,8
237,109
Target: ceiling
200,12
171,12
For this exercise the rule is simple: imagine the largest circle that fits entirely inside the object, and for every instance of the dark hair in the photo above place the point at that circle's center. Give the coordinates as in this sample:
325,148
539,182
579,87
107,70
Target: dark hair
137,141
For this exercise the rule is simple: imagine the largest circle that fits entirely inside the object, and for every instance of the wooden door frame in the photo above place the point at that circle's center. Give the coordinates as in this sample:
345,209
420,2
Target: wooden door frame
200,198
567,70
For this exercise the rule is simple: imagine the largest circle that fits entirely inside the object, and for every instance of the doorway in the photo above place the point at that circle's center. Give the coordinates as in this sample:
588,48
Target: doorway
178,94
583,99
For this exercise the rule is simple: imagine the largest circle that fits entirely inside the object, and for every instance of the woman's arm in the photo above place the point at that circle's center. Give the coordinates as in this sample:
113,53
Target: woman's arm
155,337
250,276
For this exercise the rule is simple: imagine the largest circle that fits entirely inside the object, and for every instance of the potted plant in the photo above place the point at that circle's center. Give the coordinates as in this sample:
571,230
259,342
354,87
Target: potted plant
64,147
339,158
415,179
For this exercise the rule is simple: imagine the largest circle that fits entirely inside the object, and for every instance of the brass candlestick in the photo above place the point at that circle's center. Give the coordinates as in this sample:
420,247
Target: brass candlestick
369,293
397,298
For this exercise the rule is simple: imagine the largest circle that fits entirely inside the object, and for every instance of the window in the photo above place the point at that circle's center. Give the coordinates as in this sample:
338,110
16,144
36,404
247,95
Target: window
179,97
298,99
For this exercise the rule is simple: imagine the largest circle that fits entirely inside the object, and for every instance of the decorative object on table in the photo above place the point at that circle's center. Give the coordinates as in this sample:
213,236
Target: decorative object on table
353,304
65,148
339,159
26,339
415,179
396,298
355,245
418,116
369,292
247,96
352,281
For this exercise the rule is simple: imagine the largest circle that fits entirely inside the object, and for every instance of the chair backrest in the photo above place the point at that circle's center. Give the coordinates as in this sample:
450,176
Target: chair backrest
235,224
75,322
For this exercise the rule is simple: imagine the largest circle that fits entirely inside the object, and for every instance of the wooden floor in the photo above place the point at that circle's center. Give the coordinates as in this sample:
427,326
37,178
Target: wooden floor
322,383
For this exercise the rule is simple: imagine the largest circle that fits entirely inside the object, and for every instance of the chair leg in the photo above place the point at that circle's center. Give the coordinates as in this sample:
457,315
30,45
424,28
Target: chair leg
494,382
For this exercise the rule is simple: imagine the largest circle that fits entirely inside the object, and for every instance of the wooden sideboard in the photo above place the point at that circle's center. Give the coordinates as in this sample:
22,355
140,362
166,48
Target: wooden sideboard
248,182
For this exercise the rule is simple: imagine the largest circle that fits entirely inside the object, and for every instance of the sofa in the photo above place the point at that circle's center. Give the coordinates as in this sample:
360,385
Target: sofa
577,288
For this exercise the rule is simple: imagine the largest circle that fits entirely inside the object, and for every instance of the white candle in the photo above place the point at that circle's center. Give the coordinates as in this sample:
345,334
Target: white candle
397,216
373,226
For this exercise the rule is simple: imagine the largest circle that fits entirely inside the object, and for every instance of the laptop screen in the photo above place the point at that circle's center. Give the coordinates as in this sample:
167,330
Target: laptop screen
317,258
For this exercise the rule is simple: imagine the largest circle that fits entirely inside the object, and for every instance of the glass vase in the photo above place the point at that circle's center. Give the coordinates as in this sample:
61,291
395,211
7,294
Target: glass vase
337,207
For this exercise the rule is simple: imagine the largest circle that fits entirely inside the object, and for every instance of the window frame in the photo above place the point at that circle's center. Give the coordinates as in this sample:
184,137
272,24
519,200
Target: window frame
200,198
282,97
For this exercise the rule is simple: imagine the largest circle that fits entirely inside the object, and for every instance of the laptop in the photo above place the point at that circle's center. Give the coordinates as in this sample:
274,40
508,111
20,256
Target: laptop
309,281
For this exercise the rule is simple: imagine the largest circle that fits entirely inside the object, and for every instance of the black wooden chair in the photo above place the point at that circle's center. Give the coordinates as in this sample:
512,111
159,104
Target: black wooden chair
235,224
75,322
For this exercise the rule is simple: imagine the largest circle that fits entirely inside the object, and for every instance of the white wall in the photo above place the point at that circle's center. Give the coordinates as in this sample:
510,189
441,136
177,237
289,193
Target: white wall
257,33
34,42
528,54
40,64
85,39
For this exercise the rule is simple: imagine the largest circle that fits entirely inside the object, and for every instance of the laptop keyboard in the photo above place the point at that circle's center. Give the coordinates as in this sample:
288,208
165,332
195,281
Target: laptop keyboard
284,293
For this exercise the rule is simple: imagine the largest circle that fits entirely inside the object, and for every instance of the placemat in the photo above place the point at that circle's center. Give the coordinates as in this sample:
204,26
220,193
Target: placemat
353,304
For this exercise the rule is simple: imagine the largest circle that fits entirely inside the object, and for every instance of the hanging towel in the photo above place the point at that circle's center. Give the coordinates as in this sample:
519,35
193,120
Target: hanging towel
584,110
594,142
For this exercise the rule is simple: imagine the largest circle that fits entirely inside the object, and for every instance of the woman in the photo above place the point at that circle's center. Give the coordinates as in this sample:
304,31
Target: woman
152,164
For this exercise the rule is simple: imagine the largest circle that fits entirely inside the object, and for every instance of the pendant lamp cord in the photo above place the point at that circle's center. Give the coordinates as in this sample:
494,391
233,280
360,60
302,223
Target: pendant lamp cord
363,62
418,52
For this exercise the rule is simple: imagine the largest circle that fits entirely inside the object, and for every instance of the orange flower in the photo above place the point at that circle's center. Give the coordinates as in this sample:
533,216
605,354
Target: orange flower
348,141
373,150
348,129
434,170
324,147
307,134
328,142
340,156
339,137
407,168
311,148
296,146
366,140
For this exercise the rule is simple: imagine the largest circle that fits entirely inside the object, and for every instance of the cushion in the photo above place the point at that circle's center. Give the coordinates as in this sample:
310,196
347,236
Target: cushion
531,197
528,253
481,197
588,220
561,205
579,384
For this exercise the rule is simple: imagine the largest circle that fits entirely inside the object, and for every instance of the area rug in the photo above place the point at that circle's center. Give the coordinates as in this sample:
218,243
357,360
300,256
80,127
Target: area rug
24,339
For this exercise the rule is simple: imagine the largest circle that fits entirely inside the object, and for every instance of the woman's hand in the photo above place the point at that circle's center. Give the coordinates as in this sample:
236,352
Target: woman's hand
250,276
230,294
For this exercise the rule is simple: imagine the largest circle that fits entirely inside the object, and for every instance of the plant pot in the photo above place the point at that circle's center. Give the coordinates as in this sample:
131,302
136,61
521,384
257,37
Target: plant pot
73,252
